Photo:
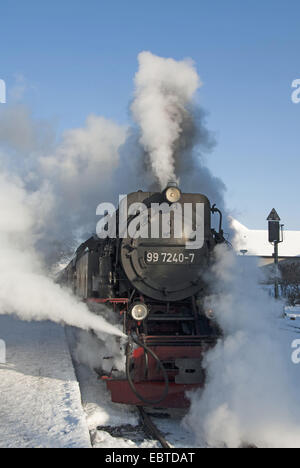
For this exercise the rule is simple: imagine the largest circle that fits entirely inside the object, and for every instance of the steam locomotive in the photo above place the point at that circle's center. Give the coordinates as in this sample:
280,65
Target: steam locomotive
155,285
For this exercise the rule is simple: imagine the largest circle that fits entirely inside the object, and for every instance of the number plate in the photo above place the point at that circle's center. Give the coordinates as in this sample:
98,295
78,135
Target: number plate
174,258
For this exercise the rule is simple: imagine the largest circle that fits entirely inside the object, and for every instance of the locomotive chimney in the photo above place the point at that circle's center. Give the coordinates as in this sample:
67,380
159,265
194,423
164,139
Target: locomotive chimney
172,183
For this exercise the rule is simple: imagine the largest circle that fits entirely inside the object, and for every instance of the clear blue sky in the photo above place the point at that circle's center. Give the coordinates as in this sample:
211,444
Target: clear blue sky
79,57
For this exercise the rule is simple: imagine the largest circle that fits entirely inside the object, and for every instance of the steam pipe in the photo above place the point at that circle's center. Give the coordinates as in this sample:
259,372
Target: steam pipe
214,209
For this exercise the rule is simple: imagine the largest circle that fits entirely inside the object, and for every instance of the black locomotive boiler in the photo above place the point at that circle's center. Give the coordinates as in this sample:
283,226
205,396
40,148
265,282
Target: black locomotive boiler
156,287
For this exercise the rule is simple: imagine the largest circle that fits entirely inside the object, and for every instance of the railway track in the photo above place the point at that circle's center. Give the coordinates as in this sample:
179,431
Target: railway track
137,434
151,429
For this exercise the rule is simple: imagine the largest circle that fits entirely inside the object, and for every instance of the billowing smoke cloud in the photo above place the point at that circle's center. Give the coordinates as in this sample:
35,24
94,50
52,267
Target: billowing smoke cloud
81,170
99,352
23,137
77,172
171,138
251,395
102,159
164,89
25,290
60,182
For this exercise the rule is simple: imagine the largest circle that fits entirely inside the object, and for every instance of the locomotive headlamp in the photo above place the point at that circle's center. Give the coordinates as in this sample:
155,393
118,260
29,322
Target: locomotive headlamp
139,311
173,194
210,314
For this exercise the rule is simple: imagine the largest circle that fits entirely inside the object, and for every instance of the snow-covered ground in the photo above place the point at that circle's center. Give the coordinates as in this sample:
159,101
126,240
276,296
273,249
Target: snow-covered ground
40,402
118,426
41,406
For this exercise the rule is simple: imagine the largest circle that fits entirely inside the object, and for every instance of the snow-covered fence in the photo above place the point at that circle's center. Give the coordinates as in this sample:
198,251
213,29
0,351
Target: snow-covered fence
2,352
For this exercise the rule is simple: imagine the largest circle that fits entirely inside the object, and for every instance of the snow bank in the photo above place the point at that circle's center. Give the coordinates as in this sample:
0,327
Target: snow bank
40,403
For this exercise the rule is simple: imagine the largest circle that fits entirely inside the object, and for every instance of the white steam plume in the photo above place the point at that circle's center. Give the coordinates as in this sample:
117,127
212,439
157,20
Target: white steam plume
78,171
95,163
24,288
164,90
251,395
64,180
99,352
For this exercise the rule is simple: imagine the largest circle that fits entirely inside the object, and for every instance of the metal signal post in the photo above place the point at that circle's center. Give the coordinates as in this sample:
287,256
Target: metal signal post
275,238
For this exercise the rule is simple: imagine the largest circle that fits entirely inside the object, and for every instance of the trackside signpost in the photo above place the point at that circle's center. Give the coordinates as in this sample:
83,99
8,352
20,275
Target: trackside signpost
275,238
